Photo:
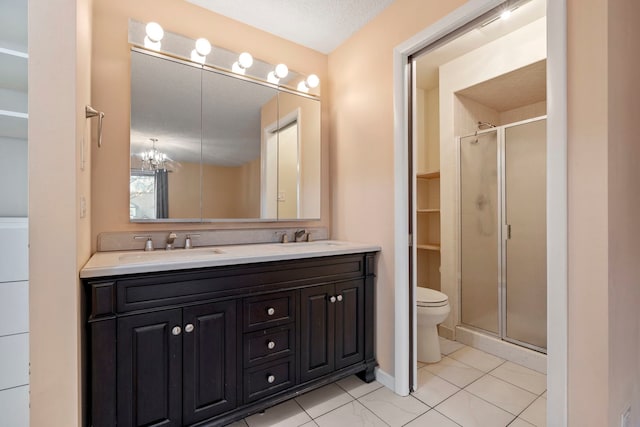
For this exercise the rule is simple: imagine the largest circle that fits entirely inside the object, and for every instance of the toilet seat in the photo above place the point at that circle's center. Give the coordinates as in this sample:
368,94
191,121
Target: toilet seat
426,297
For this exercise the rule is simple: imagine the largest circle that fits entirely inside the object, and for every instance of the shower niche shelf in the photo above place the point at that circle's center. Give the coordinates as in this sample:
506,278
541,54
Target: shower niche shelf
428,229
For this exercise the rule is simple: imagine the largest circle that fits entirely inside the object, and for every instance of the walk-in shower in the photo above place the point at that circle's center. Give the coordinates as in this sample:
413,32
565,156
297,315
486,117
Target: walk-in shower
502,232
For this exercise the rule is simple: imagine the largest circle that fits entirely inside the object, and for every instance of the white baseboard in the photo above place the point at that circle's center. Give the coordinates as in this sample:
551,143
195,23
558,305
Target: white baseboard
386,380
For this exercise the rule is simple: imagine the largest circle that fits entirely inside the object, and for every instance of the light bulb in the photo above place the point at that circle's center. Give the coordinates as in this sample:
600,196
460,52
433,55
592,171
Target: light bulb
245,60
237,68
281,71
151,44
154,31
302,87
506,14
271,78
195,57
203,47
312,81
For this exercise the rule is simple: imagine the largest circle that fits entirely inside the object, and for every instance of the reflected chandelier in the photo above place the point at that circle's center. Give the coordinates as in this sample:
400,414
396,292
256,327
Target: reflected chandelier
154,159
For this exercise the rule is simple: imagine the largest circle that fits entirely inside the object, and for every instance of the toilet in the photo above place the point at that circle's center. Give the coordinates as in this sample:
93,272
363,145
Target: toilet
433,309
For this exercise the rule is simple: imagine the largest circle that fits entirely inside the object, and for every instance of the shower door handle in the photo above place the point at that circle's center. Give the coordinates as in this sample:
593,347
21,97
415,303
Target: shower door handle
507,231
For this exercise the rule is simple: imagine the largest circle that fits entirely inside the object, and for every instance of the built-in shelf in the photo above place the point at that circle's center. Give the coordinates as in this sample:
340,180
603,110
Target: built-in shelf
429,247
420,211
428,175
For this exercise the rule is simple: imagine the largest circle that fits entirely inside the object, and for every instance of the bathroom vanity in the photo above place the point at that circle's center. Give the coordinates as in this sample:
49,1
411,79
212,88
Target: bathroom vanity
207,336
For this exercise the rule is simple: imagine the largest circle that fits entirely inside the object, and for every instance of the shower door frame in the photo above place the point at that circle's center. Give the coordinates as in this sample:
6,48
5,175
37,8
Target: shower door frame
502,241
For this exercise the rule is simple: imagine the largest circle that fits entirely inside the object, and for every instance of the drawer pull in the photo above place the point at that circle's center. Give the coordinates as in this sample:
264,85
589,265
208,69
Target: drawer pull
188,327
271,311
176,330
271,379
271,345
339,297
332,299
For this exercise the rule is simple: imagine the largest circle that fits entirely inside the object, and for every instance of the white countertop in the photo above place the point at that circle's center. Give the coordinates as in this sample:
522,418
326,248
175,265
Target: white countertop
103,264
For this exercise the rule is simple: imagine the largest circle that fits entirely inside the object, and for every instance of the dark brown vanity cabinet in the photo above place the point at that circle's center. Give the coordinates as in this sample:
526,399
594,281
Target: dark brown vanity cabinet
176,366
331,328
208,346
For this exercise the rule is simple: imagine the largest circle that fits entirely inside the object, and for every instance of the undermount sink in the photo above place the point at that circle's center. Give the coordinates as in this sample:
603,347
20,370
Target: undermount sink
167,256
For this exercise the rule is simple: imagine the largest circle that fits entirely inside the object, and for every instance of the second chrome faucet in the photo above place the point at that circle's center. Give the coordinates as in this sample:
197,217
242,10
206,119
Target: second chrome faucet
170,239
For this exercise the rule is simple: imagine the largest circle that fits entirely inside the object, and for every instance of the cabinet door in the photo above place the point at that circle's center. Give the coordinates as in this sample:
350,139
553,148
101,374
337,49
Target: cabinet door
317,314
349,336
209,356
149,360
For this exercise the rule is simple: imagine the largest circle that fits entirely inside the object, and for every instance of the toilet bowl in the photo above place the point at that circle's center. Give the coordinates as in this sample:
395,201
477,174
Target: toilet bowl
433,308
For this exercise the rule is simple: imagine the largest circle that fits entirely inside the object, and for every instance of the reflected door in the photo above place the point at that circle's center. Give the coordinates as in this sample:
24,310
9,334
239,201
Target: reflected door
479,236
525,244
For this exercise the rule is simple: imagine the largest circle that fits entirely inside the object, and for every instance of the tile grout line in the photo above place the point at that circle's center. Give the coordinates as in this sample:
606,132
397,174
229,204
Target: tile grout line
521,388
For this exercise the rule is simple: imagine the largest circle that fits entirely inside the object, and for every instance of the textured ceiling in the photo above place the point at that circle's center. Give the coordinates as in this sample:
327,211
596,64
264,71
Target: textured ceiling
321,25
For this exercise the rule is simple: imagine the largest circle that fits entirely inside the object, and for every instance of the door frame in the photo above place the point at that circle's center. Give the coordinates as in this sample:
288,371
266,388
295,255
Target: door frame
556,197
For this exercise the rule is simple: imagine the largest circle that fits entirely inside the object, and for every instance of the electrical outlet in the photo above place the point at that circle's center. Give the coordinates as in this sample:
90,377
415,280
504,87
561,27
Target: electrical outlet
625,419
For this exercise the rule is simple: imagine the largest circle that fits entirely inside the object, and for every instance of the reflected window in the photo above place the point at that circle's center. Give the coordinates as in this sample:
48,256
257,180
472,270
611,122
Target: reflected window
142,186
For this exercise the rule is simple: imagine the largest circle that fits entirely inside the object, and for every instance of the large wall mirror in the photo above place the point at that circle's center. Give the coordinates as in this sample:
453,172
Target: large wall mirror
210,146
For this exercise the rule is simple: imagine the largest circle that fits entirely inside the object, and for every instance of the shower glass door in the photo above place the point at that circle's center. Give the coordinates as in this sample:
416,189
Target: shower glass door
503,251
525,259
479,231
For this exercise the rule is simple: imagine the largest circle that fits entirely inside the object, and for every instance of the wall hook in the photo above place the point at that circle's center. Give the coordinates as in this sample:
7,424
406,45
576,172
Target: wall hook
92,112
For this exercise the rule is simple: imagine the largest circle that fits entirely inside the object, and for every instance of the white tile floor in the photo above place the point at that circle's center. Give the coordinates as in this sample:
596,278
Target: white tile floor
468,388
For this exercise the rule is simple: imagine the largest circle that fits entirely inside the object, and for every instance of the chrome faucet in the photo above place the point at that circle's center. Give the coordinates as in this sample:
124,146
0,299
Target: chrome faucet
301,235
170,239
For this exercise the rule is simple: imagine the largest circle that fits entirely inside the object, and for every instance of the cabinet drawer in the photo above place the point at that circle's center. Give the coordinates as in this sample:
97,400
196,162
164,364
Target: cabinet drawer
267,345
268,310
265,380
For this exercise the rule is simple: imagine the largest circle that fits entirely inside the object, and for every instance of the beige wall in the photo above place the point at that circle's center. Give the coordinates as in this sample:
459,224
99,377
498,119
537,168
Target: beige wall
111,92
624,204
183,191
362,176
228,192
59,88
588,322
604,296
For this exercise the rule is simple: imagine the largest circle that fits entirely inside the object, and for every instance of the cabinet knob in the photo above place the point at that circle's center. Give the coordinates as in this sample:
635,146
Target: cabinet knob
176,330
188,327
271,345
332,299
271,311
271,379
339,297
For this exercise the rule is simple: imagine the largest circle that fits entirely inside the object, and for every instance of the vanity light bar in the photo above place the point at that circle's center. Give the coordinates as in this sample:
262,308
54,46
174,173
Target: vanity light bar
154,33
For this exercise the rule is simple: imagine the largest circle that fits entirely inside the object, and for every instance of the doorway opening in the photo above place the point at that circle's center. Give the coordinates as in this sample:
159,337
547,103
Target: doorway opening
471,18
